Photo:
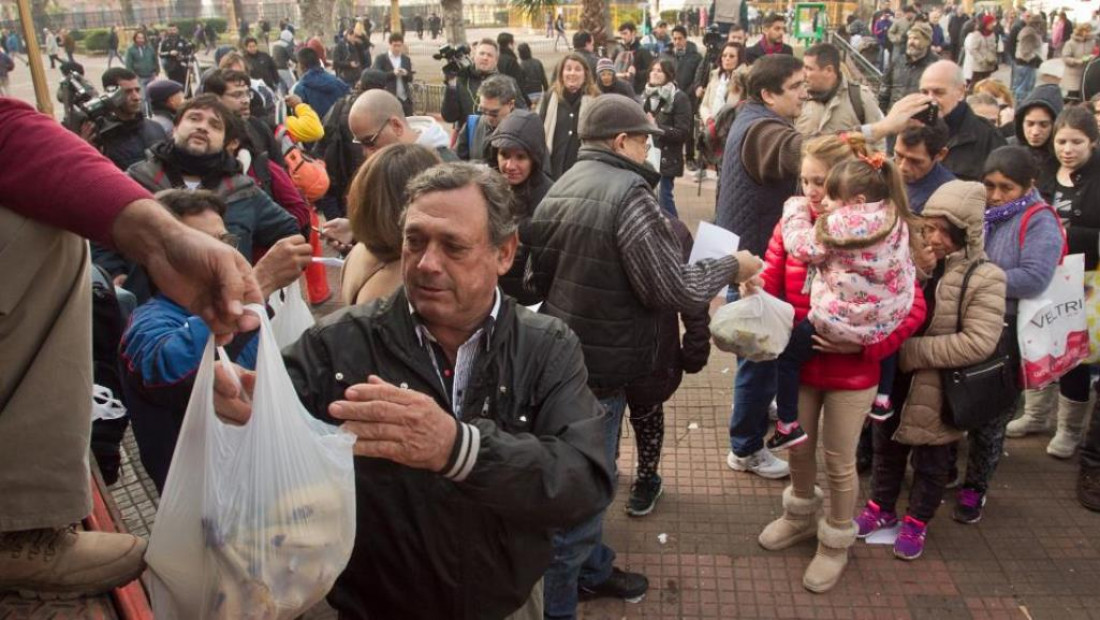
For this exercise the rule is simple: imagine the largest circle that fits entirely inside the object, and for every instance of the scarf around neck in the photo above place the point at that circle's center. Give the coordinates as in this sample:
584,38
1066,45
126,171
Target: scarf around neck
663,94
1009,210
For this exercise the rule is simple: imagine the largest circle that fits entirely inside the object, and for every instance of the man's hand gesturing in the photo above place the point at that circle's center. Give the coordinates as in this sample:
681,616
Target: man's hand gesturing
397,424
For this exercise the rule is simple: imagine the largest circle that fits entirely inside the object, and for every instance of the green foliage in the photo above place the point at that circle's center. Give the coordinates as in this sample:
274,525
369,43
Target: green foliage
187,26
672,17
534,9
95,39
77,34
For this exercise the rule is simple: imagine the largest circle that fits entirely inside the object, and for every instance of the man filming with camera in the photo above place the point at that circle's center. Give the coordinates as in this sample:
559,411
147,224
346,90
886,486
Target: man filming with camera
175,54
464,79
121,131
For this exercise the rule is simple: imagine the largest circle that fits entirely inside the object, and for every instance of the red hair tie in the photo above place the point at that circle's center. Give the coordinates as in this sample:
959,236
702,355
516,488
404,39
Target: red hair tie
875,161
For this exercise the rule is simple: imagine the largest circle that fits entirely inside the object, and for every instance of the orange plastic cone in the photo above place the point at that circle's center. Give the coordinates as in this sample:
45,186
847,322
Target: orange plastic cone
316,278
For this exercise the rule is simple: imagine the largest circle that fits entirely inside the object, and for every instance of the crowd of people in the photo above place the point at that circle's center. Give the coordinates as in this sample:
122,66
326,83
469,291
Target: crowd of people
903,226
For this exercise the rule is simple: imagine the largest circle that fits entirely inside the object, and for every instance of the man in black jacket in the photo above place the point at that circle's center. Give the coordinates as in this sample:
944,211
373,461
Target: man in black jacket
972,138
903,75
584,45
775,28
348,59
600,229
132,134
460,95
399,71
508,64
686,58
475,428
261,66
631,59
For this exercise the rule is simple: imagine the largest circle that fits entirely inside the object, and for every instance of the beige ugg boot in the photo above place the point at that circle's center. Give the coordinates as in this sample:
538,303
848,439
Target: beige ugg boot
798,523
1071,423
1039,408
831,557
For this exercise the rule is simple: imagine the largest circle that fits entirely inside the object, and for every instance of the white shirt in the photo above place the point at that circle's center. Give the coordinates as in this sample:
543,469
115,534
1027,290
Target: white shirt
396,62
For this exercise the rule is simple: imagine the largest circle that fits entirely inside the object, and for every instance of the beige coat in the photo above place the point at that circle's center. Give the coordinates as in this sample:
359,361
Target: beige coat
838,114
1073,53
940,347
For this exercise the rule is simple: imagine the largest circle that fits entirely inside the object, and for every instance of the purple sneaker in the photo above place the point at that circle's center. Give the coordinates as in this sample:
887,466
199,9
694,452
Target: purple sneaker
910,542
968,505
874,518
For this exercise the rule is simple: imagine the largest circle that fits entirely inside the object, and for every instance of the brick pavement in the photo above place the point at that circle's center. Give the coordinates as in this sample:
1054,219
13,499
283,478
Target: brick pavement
1036,554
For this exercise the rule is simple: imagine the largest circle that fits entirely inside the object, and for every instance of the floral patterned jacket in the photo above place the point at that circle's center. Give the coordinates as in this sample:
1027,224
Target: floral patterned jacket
862,279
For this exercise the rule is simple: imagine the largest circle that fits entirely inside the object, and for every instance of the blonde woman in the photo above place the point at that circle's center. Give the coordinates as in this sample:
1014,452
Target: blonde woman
375,201
561,111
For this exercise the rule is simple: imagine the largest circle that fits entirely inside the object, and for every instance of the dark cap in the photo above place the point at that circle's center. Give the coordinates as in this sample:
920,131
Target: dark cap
610,115
159,91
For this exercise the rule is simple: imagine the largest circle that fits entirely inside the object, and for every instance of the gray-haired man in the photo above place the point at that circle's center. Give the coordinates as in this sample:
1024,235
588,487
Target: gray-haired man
477,435
496,100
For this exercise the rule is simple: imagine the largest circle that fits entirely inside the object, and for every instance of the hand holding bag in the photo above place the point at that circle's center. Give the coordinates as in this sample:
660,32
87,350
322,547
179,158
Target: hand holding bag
256,521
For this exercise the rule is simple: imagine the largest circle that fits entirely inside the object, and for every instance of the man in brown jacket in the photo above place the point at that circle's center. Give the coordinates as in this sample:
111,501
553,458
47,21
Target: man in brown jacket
954,230
835,104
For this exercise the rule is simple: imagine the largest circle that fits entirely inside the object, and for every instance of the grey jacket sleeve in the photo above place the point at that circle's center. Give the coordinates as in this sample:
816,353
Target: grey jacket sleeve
557,473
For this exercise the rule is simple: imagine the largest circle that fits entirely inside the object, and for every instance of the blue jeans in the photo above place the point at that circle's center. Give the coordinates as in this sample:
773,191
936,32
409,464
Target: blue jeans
665,197
753,390
1024,82
580,557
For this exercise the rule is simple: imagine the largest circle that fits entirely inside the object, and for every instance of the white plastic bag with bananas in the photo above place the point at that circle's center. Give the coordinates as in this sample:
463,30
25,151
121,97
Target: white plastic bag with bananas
256,521
756,327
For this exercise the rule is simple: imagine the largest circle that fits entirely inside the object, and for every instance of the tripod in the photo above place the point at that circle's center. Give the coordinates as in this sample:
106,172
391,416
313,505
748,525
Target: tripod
194,77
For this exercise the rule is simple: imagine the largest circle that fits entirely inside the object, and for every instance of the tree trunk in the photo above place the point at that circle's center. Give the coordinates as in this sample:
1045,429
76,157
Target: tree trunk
395,16
594,20
41,15
317,18
127,7
455,29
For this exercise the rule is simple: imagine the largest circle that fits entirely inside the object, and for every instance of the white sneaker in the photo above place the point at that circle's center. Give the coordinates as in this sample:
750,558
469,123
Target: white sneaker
762,463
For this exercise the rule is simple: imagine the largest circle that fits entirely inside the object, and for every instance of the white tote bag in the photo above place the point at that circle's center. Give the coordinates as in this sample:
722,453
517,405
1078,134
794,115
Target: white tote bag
1053,328
256,521
756,327
292,316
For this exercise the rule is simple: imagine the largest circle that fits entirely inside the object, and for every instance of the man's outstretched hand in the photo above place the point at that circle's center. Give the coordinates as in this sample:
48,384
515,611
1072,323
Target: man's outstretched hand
196,270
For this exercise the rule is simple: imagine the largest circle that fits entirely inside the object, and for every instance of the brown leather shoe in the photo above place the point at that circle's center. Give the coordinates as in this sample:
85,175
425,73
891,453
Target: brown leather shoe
66,563
1088,488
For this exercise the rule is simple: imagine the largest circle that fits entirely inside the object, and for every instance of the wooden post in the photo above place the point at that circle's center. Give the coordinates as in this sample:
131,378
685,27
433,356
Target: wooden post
34,57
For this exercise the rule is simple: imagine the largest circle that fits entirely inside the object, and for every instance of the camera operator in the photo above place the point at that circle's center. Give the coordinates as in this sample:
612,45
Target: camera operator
175,54
460,96
125,134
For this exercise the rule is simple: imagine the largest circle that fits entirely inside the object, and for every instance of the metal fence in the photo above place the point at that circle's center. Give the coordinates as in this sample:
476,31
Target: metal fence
427,98
859,66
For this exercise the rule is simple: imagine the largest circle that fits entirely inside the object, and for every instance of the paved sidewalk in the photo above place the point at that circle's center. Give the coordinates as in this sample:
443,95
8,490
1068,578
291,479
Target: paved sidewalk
1036,554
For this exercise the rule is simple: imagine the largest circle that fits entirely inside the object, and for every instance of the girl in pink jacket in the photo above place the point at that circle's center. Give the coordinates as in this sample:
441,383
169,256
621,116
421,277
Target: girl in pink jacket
862,277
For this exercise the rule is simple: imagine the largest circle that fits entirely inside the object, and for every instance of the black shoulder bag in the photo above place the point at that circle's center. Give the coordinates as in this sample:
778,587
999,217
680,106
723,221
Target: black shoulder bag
974,395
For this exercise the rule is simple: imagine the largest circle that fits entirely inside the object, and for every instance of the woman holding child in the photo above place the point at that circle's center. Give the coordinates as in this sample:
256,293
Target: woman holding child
839,382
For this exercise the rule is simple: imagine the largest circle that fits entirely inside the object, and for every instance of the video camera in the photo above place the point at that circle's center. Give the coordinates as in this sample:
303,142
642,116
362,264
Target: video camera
713,39
84,104
457,57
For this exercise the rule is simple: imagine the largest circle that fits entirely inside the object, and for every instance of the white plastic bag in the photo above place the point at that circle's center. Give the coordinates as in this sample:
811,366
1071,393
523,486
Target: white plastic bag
1053,327
256,521
653,154
292,315
756,328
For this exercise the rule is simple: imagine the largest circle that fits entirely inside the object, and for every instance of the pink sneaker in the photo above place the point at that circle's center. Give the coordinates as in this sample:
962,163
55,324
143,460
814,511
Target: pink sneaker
910,542
874,518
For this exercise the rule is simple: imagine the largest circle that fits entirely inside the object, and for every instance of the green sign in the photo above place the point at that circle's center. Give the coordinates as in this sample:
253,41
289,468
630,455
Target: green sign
809,21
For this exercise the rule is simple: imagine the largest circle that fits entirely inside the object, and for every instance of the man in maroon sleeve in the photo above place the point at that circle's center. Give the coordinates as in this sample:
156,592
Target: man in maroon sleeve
55,189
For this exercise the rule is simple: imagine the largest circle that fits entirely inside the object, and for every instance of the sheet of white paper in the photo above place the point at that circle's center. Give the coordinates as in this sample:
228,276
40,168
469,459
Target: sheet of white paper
884,537
713,242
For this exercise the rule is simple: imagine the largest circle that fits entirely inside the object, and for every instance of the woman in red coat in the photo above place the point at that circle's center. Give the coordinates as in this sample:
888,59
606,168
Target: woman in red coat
837,388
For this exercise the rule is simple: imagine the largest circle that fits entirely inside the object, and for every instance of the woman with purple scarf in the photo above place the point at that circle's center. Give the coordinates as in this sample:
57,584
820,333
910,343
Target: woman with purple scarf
1028,258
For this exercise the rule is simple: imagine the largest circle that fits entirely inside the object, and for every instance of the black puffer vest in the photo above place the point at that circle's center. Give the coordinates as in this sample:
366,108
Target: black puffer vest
576,267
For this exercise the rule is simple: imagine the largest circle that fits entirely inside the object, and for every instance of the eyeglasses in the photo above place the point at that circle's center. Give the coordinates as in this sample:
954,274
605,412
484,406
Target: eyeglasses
368,143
